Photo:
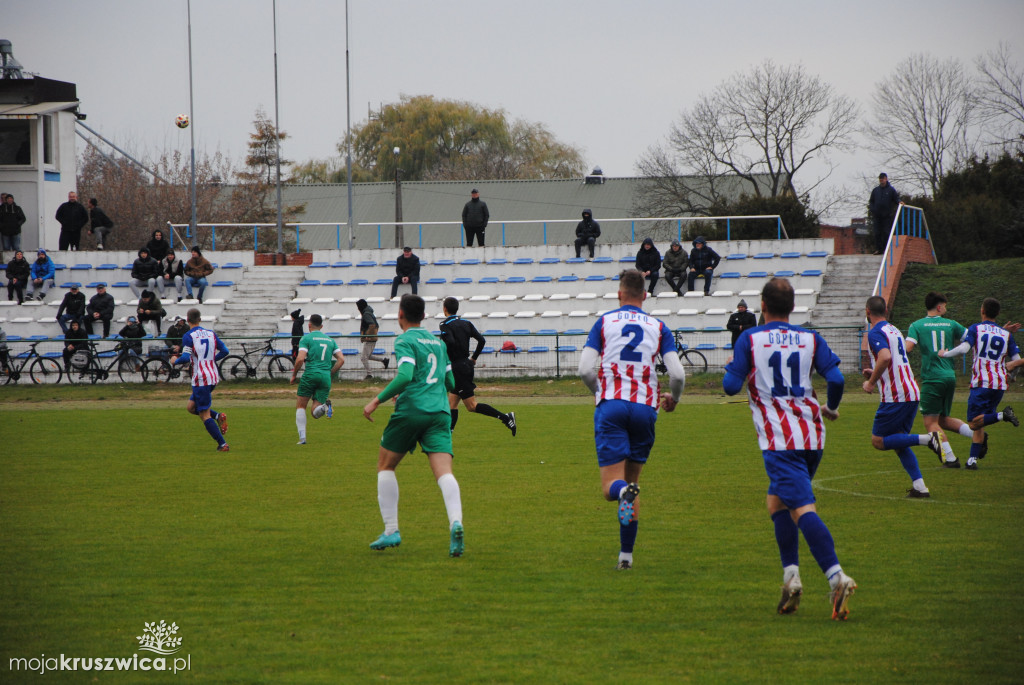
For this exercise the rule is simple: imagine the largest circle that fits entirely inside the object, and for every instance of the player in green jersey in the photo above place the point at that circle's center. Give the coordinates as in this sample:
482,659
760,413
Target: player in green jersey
938,377
422,382
322,359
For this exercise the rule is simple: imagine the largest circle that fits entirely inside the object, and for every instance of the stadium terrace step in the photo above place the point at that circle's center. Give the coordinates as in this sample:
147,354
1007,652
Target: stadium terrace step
848,282
259,295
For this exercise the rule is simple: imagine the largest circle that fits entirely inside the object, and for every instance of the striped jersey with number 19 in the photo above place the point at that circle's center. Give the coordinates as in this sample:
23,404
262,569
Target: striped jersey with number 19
897,383
202,344
628,340
992,345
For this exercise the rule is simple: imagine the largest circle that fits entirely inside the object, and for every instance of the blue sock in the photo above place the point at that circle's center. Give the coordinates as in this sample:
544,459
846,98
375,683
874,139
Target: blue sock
899,441
627,536
788,536
989,419
214,430
819,540
214,414
975,450
616,488
909,462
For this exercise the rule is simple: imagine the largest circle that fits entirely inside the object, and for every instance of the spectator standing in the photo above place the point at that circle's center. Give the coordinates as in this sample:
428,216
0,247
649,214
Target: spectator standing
18,275
298,321
145,272
172,272
99,223
150,309
587,233
100,308
11,219
407,271
741,320
75,338
368,328
882,205
72,308
196,271
675,262
158,246
703,262
174,334
41,275
72,217
474,218
648,263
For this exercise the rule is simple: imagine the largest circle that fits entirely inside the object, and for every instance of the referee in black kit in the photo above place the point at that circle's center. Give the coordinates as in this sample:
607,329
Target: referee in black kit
456,333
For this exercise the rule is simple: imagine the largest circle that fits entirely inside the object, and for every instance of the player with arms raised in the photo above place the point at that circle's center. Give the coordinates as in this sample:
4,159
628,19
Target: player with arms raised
776,360
617,365
204,349
322,359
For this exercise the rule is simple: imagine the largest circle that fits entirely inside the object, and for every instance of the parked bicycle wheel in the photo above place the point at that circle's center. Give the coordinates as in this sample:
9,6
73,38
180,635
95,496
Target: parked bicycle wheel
693,361
130,369
234,368
157,371
9,374
45,370
280,366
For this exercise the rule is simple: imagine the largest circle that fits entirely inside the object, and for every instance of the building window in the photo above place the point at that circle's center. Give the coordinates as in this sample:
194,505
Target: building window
15,142
48,146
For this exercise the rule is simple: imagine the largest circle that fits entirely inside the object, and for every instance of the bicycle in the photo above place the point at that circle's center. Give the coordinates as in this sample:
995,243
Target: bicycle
158,369
237,367
693,361
42,369
85,365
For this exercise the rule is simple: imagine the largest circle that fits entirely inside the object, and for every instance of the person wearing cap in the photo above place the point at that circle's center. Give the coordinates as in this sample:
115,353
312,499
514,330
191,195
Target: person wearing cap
587,233
145,272
882,205
133,333
368,328
100,308
740,321
150,309
72,308
674,263
75,338
474,219
42,273
18,274
703,262
298,322
407,271
72,217
174,334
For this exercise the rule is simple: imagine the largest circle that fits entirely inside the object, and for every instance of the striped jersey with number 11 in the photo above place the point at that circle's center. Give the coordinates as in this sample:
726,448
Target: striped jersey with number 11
628,340
202,344
897,384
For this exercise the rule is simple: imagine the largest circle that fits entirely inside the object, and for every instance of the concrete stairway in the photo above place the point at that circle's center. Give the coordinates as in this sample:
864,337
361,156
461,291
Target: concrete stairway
848,283
256,304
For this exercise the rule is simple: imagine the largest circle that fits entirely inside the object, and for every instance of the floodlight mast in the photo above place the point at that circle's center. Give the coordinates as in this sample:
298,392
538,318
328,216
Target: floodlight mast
348,138
277,142
192,131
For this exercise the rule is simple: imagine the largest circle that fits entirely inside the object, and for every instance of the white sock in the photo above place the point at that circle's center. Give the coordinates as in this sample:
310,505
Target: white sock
626,556
300,422
947,452
789,572
387,499
452,497
923,439
965,431
999,416
319,410
834,575
919,485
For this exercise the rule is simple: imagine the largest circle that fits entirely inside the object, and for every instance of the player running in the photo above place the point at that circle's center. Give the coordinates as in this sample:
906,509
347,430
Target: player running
204,349
776,360
456,333
422,382
899,392
992,345
317,351
617,365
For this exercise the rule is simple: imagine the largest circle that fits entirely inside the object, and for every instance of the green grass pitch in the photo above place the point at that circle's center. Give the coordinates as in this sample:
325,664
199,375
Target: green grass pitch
113,517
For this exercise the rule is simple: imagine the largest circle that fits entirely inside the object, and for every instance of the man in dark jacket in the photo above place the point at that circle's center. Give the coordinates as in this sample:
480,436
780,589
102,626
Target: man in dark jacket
75,339
150,309
474,218
72,308
703,261
158,246
407,271
18,274
740,321
145,272
648,263
133,333
368,328
100,308
298,322
172,272
675,263
882,205
587,233
174,333
11,219
72,218
99,223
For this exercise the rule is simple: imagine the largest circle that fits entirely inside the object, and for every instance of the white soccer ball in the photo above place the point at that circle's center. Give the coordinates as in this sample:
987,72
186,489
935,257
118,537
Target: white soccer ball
181,121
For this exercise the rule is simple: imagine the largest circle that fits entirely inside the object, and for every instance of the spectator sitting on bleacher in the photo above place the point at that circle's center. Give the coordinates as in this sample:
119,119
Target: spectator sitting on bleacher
172,272
196,271
18,274
703,262
76,338
648,263
41,275
298,322
150,309
145,272
740,321
407,270
132,335
368,328
158,247
675,262
72,308
174,334
587,233
100,308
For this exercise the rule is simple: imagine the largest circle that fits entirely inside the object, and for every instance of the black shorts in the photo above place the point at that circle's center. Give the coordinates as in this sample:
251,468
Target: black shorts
463,372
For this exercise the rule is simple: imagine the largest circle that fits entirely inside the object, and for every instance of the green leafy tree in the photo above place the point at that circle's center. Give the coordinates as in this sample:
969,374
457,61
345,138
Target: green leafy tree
263,147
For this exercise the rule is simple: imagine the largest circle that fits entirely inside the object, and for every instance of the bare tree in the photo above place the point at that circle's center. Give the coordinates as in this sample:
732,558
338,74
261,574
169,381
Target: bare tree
761,127
924,113
1000,94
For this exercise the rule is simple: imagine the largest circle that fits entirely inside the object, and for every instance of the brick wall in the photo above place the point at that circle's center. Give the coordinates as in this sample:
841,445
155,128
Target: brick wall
272,258
846,241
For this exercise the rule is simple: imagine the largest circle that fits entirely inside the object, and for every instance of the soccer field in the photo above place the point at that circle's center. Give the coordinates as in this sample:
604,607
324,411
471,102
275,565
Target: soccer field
115,516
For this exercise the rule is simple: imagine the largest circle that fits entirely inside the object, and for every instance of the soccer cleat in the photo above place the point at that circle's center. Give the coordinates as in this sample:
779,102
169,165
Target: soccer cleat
626,509
792,590
386,362
222,421
935,444
955,464
511,423
971,465
840,596
224,448
369,377
330,409
456,546
914,493
624,565
301,442
984,447
1008,415
387,540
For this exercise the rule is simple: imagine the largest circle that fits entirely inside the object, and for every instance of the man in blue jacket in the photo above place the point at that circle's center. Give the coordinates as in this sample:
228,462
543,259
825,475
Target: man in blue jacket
41,275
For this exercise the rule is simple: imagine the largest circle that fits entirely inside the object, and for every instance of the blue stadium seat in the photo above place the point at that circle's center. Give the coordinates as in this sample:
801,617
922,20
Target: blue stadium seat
628,258
367,263
228,284
817,253
489,279
435,281
390,262
519,331
469,262
96,284
594,277
550,260
81,267
120,284
730,274
547,331
602,260
540,279
764,255
736,256
126,267
497,261
106,267
314,265
566,348
538,348
238,265
784,274
462,280
811,272
575,331
494,331
341,265
575,260
707,346
383,281
445,262
790,255
332,334
61,267
71,284
516,279
523,260
359,281
349,352
568,279
487,350
717,329
758,274
334,281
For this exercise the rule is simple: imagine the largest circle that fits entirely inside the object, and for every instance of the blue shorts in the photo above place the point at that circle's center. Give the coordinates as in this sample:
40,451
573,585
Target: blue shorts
790,473
983,401
202,395
623,430
893,418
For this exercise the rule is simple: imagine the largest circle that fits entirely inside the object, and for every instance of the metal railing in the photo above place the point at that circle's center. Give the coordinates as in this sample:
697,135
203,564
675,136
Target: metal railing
909,221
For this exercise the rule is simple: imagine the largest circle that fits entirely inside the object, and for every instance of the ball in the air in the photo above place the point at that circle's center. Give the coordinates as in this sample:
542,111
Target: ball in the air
181,121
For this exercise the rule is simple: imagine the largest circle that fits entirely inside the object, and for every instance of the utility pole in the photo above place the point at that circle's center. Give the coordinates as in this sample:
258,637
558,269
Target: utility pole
399,229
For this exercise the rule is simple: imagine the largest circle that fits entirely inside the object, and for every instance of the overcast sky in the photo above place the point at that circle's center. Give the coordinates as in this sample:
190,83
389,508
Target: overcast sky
607,76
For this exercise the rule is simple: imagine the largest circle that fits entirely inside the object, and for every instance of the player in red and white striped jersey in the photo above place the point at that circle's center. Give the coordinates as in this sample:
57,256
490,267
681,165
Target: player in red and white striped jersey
204,349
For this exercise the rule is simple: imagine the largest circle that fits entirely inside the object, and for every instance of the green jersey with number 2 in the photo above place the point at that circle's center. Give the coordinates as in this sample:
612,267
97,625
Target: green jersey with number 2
319,351
426,392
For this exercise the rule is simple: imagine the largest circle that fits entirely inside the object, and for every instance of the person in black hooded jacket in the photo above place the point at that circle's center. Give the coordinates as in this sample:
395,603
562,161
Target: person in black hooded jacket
145,272
703,261
648,263
587,233
298,321
158,247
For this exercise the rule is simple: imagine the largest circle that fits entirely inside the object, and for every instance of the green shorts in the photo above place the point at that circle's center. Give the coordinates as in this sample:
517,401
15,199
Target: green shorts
432,431
316,384
937,397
